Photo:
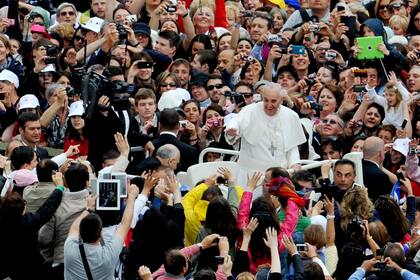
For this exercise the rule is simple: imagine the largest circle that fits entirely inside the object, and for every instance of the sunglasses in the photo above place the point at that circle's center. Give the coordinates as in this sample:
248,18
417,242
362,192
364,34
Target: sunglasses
71,13
212,87
245,94
168,84
383,7
330,121
79,38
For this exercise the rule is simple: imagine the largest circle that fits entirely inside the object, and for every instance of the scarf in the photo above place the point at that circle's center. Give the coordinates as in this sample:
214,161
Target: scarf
282,187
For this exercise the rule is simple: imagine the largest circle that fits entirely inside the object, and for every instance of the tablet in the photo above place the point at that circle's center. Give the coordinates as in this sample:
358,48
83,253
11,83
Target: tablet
108,192
369,47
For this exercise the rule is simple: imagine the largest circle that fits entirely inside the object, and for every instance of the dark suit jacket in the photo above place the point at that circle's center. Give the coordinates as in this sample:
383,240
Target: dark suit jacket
137,168
189,154
375,180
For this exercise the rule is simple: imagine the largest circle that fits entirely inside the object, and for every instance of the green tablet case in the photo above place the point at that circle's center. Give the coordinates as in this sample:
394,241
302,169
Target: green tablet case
369,47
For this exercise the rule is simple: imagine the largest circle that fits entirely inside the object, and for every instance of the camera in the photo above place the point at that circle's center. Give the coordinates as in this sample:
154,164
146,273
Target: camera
248,14
273,39
330,55
314,27
171,9
32,16
221,181
380,265
301,247
237,98
248,58
131,18
219,259
214,122
357,124
121,31
71,92
183,123
311,79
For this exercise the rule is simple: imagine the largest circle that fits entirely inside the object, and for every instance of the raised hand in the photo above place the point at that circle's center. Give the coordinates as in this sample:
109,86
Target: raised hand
57,179
144,273
250,228
271,241
253,180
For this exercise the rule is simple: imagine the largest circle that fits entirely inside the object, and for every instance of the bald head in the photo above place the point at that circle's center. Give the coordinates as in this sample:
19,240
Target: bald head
374,148
168,151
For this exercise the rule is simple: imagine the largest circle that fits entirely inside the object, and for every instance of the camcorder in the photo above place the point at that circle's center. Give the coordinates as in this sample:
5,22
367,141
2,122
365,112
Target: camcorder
91,85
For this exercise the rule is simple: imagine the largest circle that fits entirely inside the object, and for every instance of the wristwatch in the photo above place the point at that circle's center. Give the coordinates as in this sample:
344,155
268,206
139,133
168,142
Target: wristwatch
90,210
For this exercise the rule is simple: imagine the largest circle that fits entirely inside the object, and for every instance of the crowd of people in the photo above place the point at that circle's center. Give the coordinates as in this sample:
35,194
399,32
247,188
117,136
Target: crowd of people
130,92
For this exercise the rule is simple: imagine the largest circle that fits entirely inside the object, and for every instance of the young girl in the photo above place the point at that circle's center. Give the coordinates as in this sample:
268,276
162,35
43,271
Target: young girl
393,101
76,130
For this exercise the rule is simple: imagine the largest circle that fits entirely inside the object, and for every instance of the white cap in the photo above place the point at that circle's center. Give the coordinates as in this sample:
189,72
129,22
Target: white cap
28,101
7,75
398,39
93,24
48,68
76,109
173,98
402,146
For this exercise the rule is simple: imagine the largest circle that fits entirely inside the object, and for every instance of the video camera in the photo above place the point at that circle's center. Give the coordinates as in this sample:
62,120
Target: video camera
92,85
52,53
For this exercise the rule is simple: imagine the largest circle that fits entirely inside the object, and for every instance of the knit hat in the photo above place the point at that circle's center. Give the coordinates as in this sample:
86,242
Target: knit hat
23,178
43,13
141,27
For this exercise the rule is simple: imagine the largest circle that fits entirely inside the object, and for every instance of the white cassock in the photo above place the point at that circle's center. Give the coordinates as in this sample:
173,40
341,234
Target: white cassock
266,141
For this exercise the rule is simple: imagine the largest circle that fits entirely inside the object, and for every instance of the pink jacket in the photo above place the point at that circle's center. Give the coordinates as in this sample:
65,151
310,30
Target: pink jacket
287,228
188,252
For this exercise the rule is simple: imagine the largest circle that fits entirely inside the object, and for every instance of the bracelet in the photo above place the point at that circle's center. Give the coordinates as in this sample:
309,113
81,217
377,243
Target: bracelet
135,46
184,16
61,188
330,217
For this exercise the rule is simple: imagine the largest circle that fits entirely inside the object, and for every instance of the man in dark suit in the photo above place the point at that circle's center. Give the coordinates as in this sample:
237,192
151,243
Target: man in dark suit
167,155
169,126
374,179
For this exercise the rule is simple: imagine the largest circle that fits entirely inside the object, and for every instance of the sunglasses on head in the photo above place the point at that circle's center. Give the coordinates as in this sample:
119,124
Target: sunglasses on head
212,87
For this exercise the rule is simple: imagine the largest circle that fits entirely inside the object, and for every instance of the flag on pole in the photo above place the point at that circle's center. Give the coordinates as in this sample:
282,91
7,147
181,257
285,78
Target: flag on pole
395,192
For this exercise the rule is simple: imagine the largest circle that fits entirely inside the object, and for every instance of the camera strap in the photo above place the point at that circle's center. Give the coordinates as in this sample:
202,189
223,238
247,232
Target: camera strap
85,261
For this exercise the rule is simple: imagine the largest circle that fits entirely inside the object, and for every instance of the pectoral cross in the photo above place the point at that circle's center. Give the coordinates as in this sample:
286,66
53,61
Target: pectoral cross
272,149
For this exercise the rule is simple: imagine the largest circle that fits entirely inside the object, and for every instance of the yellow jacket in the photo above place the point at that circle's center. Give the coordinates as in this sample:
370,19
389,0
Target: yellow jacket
195,210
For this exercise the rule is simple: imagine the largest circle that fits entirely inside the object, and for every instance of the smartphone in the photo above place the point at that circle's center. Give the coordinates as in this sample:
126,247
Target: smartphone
380,265
400,177
358,88
2,95
11,21
144,65
404,123
296,49
183,123
171,9
219,259
340,8
345,20
301,247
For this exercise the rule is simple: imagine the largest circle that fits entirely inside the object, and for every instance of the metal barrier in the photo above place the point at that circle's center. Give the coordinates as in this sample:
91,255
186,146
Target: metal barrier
356,157
216,150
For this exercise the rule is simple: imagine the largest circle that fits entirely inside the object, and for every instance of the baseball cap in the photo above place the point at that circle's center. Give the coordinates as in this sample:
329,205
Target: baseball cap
173,99
23,178
28,101
93,24
9,76
76,109
402,146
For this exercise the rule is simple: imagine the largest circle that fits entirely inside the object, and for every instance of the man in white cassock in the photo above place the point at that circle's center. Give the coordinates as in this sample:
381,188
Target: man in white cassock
270,134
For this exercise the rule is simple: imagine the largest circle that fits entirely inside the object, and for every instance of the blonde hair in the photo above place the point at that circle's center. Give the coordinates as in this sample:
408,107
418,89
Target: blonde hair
232,10
195,4
392,88
356,7
379,233
401,21
315,235
5,41
245,276
65,30
356,202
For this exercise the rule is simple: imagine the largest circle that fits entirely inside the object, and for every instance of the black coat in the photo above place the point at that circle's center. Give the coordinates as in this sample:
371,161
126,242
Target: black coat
19,255
375,180
189,154
137,168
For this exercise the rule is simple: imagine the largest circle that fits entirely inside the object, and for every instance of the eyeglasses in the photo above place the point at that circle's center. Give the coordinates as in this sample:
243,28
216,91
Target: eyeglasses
245,94
212,87
70,13
329,121
79,38
168,84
